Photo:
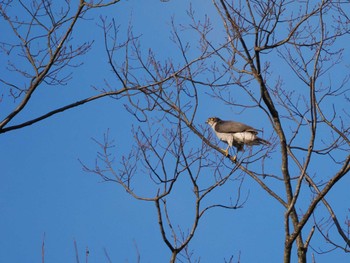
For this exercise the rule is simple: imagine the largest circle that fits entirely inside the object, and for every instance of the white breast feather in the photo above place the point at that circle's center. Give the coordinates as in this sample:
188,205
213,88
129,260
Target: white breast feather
225,137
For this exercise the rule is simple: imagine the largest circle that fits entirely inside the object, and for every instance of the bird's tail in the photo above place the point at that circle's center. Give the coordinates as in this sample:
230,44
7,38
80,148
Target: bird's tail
262,141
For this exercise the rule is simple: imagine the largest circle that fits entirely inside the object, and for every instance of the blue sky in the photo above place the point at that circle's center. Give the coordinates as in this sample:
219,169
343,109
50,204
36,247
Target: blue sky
46,195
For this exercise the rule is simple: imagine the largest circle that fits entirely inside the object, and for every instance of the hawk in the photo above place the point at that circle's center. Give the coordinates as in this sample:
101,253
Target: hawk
235,133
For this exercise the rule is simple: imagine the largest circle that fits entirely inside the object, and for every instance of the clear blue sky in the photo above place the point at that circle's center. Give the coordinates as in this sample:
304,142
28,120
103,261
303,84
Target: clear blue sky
45,192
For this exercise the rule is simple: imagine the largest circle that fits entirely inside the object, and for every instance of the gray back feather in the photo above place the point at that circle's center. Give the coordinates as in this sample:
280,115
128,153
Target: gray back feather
233,127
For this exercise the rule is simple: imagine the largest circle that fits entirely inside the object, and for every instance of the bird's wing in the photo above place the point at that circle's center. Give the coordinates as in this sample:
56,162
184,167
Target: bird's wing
233,127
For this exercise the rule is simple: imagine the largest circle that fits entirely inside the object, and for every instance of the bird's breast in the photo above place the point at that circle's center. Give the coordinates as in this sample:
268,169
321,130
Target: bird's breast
225,137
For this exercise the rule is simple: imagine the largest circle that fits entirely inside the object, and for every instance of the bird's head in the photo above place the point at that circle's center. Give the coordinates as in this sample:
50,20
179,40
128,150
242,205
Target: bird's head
212,121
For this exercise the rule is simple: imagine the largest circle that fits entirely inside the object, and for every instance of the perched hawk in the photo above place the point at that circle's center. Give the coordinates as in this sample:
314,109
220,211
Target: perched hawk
235,133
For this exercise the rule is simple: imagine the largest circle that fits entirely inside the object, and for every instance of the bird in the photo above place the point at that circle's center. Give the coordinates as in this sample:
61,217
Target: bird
235,134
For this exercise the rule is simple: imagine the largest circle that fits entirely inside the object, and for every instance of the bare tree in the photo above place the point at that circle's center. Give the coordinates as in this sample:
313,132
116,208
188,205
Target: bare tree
307,125
306,110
